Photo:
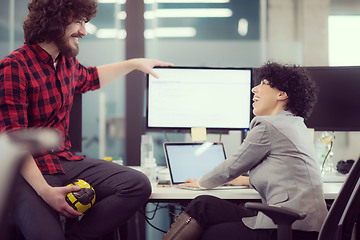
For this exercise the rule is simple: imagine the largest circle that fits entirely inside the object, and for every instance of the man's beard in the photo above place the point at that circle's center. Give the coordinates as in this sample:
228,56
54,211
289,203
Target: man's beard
65,48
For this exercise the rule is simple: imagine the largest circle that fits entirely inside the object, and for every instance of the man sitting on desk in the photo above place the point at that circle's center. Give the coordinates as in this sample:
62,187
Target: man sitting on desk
279,154
37,86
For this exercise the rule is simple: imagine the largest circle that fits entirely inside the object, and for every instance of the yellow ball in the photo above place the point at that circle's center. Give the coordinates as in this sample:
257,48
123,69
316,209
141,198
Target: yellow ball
81,200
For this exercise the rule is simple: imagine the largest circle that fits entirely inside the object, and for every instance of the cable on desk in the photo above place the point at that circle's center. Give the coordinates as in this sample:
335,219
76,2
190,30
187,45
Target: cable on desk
327,154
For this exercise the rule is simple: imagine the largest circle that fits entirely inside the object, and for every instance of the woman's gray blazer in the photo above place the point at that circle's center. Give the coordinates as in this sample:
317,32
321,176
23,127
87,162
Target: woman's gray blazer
279,154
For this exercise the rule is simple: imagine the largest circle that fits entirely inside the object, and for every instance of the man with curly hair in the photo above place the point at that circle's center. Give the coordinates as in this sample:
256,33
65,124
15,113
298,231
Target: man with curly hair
279,155
37,85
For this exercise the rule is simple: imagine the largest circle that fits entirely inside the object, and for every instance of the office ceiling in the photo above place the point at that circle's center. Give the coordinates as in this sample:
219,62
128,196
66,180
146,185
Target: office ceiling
206,28
218,28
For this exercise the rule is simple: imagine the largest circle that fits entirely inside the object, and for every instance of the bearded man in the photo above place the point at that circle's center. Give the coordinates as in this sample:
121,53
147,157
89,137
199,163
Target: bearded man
37,85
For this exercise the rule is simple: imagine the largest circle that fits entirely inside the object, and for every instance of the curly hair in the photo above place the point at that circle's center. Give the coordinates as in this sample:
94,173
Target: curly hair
48,19
302,91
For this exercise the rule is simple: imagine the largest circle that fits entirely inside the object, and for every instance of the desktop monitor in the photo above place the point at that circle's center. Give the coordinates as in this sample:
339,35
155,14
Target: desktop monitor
338,106
218,99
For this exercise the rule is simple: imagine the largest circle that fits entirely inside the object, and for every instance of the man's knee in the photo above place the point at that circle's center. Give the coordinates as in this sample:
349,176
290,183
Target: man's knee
143,184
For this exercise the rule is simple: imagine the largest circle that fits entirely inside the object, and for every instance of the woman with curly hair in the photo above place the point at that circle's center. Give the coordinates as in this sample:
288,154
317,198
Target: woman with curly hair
37,86
279,155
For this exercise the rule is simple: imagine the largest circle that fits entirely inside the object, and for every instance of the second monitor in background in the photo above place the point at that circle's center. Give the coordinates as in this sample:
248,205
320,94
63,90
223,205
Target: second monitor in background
338,105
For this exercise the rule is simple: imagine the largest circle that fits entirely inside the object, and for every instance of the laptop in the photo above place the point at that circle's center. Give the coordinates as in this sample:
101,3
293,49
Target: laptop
193,160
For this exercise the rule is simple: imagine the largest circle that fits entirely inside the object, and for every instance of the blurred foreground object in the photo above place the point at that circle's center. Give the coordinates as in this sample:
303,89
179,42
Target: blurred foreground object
14,148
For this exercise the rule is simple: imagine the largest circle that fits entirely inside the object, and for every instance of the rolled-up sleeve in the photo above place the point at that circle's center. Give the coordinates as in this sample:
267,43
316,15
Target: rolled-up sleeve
87,78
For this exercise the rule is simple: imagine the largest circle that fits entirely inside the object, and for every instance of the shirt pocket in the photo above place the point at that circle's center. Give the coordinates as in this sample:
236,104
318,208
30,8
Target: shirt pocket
278,198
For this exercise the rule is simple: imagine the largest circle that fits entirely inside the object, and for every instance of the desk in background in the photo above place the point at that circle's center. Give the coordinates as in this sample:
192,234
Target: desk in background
332,186
173,194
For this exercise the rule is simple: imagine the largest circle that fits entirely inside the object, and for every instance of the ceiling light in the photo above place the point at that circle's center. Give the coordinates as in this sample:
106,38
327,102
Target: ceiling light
167,1
188,13
170,32
112,1
186,1
90,28
121,15
111,33
243,27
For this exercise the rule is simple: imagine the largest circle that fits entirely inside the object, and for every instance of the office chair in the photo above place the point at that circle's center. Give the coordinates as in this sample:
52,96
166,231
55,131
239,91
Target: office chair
342,221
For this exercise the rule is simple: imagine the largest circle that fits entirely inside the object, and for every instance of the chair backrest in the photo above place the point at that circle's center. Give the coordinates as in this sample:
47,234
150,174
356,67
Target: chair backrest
344,213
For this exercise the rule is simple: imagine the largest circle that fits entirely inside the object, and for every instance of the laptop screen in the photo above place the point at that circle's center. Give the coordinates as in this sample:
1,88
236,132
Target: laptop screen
192,160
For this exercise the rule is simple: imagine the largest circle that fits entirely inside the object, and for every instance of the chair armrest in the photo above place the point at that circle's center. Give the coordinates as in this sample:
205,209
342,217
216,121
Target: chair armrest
279,215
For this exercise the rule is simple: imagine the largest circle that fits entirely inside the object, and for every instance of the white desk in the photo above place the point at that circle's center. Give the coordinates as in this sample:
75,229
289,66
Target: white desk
172,194
165,194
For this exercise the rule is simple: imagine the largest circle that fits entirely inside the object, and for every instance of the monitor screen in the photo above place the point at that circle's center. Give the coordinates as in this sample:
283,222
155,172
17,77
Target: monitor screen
186,97
338,106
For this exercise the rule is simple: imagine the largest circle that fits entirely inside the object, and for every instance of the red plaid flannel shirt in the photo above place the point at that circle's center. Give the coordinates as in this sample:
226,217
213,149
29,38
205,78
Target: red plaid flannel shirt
33,93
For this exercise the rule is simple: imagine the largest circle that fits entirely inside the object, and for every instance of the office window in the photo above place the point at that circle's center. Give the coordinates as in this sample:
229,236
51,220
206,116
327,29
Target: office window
216,33
344,38
12,14
109,22
206,19
198,19
104,109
